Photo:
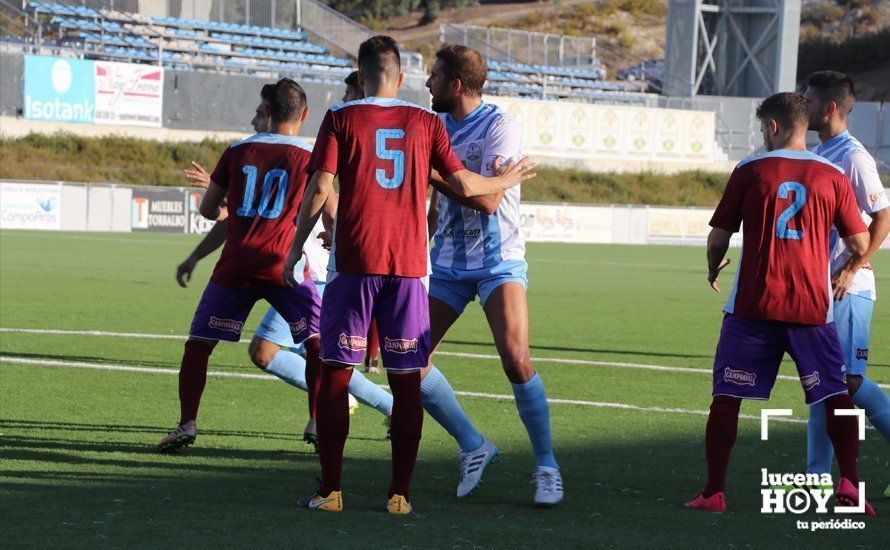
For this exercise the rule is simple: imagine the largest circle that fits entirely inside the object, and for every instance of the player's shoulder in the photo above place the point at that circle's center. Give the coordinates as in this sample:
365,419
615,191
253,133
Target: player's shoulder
264,138
788,155
858,157
380,102
501,121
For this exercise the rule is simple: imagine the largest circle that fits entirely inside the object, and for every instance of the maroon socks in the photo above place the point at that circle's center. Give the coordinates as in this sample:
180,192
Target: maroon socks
192,378
332,404
405,429
720,436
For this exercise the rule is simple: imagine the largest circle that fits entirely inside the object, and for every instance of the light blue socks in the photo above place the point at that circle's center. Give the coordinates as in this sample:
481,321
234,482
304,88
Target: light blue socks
872,399
289,367
531,400
370,394
441,403
820,452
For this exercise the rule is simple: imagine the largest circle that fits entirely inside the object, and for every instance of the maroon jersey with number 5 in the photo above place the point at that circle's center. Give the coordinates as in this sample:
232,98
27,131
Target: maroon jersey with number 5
382,149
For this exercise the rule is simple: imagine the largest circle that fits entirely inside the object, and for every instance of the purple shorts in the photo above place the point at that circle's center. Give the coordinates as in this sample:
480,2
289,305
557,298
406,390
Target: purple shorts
750,352
401,307
222,310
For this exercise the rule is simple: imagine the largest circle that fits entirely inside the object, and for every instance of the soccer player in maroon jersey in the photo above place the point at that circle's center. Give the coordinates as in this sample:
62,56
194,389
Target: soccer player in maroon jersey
781,301
261,180
383,149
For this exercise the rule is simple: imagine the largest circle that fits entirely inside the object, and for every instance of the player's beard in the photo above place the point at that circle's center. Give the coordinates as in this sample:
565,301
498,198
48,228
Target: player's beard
442,105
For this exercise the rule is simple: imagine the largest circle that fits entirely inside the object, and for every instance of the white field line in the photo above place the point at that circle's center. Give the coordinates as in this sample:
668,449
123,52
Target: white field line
553,360
480,395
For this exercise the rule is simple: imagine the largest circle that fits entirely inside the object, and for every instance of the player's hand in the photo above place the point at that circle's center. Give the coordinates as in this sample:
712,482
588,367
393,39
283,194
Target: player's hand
325,238
712,275
842,282
293,258
184,272
514,173
197,176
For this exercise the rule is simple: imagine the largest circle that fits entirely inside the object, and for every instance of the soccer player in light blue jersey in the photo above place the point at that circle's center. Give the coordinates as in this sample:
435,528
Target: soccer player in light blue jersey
830,98
478,249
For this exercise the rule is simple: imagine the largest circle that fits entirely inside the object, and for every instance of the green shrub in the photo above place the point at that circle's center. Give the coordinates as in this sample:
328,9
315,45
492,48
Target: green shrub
67,157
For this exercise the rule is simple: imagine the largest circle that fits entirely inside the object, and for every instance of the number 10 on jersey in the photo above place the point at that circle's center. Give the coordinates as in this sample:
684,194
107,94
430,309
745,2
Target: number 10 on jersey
247,210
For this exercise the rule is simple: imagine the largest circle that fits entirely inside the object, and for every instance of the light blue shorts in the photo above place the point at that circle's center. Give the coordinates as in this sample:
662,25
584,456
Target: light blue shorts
457,287
852,315
275,329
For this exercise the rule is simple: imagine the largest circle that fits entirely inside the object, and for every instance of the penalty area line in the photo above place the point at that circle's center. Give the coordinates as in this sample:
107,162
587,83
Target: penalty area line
462,355
478,395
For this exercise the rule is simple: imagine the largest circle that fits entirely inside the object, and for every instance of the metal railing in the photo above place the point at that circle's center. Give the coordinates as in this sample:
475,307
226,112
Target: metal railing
531,48
13,19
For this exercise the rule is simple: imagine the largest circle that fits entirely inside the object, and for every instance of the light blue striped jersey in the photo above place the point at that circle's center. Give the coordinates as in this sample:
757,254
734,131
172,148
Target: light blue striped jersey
467,239
847,152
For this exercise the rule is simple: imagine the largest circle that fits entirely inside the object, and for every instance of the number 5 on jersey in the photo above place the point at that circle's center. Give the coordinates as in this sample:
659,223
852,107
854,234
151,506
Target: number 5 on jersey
247,209
395,155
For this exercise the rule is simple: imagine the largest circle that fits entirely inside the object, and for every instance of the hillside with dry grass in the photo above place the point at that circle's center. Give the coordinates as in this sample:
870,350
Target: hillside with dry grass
847,35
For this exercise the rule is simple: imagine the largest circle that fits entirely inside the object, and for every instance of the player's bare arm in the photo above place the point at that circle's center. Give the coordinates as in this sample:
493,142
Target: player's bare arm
212,204
213,240
328,215
197,176
718,244
465,183
487,204
320,187
879,230
859,246
432,215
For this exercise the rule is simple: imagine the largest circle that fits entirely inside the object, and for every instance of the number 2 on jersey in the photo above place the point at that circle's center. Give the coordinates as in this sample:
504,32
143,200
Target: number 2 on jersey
800,198
396,156
247,210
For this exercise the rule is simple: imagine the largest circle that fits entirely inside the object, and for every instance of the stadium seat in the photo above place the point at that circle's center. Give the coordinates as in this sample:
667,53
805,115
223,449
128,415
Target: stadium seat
188,44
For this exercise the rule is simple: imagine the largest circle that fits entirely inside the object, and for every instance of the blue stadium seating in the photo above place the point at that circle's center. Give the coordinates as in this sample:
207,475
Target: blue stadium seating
551,82
185,44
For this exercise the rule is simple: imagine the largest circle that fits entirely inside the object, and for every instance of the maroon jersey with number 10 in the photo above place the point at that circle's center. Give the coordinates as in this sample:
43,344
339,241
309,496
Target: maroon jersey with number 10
382,149
265,176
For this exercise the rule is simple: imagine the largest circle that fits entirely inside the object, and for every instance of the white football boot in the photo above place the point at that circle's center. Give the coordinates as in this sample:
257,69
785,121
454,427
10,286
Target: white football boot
548,486
472,466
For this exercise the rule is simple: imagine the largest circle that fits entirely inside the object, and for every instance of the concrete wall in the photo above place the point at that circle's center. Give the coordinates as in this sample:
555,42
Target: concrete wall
12,69
738,131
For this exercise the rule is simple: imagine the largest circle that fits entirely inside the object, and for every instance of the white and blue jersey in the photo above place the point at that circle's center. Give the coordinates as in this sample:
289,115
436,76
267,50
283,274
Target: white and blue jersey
852,315
473,252
467,239
847,152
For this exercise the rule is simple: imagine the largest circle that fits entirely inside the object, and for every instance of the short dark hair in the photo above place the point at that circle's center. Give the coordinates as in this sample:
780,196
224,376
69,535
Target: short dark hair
834,86
266,92
287,99
787,108
352,80
466,65
379,56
